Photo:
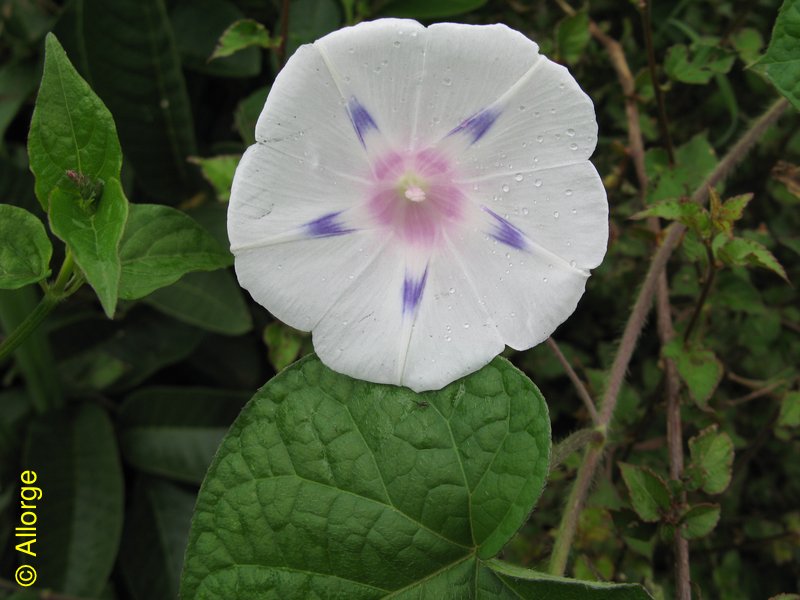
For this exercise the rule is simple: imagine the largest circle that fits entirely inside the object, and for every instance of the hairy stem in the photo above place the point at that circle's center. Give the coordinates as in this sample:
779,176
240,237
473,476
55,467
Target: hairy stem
576,381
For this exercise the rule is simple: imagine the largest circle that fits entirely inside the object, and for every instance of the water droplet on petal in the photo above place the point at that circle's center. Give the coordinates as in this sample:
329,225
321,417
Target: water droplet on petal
451,291
538,183
572,263
540,138
544,279
574,211
568,192
466,325
447,81
522,107
519,177
555,214
505,187
570,132
525,211
573,146
397,42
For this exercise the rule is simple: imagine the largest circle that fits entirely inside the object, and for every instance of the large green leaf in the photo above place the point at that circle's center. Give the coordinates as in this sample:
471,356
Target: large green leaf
211,301
25,249
128,49
71,129
783,55
92,231
173,431
160,245
74,455
154,538
648,492
365,488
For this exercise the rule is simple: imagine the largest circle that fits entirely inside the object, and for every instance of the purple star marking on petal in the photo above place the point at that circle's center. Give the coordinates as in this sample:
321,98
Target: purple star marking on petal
412,291
361,119
478,124
327,226
506,233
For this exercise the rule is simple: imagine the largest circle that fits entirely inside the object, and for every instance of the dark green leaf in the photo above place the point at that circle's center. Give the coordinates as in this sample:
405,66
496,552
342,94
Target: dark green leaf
242,34
212,301
699,368
783,54
74,455
689,213
247,114
320,467
694,160
25,249
309,20
92,231
748,43
712,461
174,432
133,63
699,521
34,357
198,26
17,82
572,36
160,245
218,171
790,410
154,539
430,9
648,492
700,66
71,129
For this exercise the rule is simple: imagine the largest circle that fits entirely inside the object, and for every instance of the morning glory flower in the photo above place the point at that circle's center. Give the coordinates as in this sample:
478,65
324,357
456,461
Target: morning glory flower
419,198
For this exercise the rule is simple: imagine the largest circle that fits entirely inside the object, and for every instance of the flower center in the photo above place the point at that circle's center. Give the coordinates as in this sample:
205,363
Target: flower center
413,195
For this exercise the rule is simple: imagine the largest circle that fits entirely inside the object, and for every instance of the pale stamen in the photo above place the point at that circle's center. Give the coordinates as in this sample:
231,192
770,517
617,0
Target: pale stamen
415,193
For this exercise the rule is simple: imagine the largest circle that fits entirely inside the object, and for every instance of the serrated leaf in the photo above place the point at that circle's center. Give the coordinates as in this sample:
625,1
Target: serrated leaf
71,128
572,36
711,461
783,58
154,538
693,161
92,231
211,300
790,410
25,249
242,34
699,368
699,521
173,431
160,245
700,66
725,214
649,495
320,466
430,9
218,171
689,213
74,454
129,50
745,252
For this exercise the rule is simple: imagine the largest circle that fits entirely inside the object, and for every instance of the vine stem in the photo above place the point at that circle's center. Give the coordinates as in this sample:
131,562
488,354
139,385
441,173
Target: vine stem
633,327
52,297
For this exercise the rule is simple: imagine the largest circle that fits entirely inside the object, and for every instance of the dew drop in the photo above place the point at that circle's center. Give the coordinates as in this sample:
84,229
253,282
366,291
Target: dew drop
572,263
466,325
555,214
573,146
568,192
525,211
397,42
451,291
544,279
505,187
476,187
524,144
447,81
538,183
552,111
574,211
447,338
571,132
540,138
508,255
519,177
522,107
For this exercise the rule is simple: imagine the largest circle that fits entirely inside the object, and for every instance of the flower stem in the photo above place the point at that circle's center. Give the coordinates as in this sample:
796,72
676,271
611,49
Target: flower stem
36,317
636,321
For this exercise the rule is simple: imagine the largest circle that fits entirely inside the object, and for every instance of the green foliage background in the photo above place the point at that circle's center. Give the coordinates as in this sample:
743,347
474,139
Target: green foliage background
121,417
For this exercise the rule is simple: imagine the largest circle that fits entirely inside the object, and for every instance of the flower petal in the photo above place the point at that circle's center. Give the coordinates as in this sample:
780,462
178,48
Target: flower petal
562,209
452,333
467,68
377,64
306,118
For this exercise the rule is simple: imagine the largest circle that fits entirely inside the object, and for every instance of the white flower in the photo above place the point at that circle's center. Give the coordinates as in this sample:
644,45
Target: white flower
420,197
